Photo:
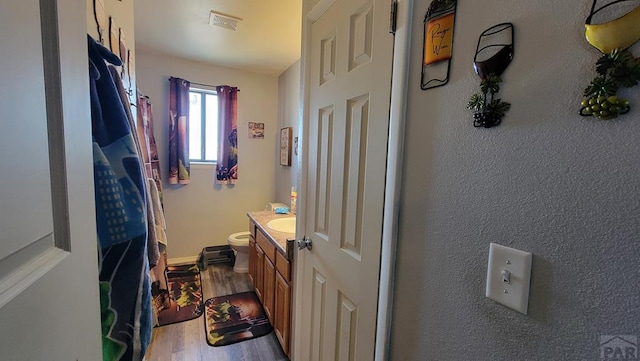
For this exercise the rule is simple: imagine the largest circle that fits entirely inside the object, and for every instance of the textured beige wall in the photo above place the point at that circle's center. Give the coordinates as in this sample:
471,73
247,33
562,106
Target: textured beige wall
546,181
288,116
203,214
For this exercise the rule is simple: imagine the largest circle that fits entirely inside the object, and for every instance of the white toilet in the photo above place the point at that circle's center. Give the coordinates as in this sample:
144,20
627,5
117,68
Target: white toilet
239,242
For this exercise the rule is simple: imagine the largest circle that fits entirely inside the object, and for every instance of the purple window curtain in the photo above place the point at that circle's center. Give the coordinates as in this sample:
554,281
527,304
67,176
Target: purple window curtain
227,165
179,170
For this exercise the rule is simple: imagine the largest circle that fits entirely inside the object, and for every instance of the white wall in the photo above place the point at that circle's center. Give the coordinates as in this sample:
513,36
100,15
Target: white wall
203,214
288,116
546,181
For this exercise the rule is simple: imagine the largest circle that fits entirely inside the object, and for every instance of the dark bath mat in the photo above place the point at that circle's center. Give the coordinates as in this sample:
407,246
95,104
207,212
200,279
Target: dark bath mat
185,295
234,318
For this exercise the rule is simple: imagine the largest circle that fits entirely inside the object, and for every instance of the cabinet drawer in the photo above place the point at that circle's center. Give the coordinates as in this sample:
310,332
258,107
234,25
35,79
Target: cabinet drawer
283,266
267,247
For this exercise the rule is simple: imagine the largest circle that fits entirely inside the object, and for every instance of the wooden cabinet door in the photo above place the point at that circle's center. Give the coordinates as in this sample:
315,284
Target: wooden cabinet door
259,272
269,288
252,261
282,323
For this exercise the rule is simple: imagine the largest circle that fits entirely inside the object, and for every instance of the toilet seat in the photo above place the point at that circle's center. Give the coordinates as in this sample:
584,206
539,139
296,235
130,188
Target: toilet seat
239,239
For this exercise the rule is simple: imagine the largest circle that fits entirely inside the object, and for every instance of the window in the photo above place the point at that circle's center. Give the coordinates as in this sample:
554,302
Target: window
203,126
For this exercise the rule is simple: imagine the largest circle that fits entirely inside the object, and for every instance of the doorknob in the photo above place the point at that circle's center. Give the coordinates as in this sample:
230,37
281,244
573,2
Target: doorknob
305,243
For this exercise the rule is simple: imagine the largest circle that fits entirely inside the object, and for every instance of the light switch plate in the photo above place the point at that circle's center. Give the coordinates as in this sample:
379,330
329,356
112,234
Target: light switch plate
514,293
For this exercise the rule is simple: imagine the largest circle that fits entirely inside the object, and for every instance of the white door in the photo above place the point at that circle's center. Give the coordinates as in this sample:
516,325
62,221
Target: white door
49,303
349,63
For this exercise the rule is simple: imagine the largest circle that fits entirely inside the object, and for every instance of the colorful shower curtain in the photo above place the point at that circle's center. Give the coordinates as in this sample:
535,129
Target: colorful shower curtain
144,129
153,252
125,295
157,239
179,171
227,165
155,213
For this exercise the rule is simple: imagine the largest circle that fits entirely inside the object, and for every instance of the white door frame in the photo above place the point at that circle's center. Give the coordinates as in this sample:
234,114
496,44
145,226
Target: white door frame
400,81
399,88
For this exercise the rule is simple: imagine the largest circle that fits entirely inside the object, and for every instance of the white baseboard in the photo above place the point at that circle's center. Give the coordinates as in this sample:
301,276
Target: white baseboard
182,260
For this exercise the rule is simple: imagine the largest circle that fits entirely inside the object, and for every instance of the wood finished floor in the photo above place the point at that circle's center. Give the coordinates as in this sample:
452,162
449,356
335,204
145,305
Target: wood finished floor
185,341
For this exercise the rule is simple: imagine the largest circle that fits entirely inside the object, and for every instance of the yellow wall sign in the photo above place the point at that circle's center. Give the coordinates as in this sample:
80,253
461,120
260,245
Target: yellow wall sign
438,39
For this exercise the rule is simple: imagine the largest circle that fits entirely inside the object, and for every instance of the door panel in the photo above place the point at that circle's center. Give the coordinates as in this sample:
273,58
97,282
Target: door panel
318,309
320,213
355,161
349,61
347,326
360,36
47,220
25,180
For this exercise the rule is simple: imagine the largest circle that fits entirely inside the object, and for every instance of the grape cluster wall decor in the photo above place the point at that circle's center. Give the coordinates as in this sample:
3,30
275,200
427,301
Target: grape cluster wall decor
617,67
494,53
438,43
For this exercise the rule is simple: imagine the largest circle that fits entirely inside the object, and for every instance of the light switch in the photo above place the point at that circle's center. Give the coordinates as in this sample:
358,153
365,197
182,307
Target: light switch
508,277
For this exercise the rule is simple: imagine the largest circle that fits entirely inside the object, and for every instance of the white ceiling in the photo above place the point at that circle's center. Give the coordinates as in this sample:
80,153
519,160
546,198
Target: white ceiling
267,40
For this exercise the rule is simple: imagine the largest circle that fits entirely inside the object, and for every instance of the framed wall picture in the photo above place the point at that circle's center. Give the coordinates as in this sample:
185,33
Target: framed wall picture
256,130
285,146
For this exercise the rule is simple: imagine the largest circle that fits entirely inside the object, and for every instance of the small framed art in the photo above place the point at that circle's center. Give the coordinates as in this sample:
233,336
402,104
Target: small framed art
256,130
285,146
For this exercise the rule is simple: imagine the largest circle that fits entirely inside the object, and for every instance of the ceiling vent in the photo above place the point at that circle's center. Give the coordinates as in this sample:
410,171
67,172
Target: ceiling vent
223,20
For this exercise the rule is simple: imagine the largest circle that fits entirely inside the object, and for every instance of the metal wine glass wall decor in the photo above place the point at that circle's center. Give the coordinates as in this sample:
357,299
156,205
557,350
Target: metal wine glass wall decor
494,53
617,67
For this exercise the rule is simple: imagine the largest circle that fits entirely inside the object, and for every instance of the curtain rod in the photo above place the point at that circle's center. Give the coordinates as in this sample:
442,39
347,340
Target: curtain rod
211,86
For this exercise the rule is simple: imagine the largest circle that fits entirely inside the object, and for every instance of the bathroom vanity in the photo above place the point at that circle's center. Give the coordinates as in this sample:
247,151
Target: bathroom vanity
270,269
